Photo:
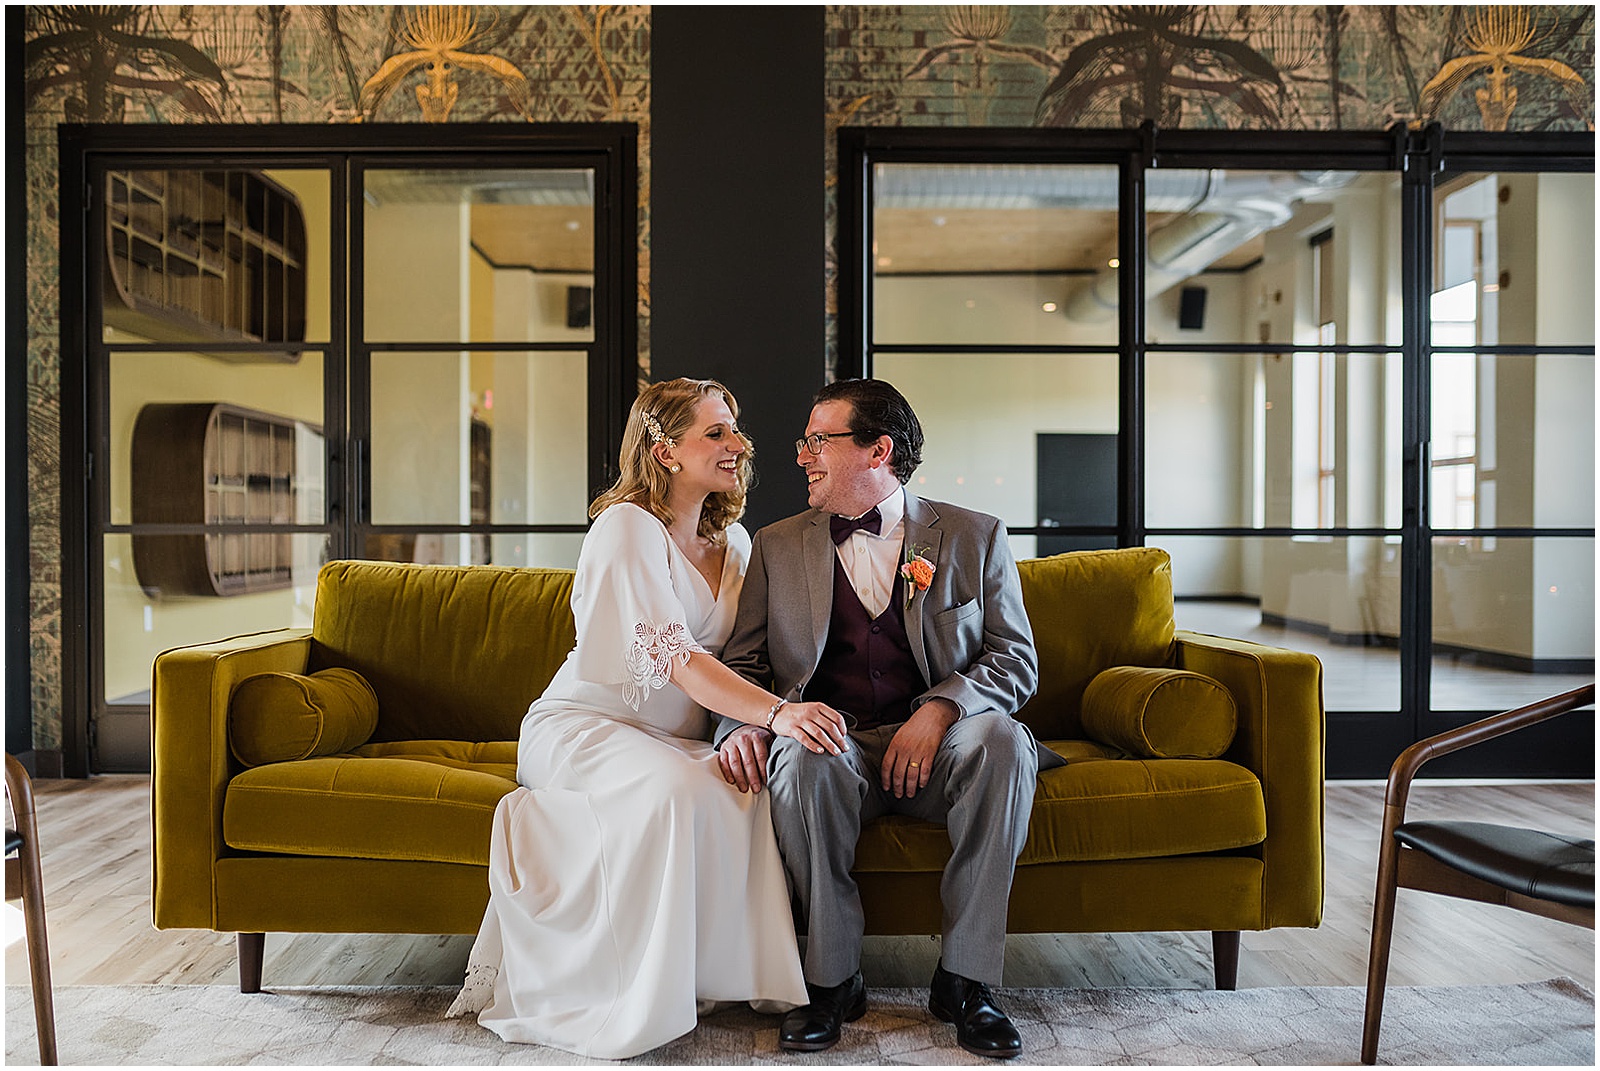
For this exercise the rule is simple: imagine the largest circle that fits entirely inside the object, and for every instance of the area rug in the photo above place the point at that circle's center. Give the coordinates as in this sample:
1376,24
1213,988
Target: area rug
1547,1023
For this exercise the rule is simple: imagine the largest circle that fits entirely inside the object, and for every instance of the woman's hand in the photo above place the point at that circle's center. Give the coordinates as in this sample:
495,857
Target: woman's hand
816,725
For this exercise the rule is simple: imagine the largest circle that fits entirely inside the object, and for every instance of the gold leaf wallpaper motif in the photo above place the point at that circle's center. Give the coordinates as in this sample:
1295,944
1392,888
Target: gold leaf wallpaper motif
1497,37
438,36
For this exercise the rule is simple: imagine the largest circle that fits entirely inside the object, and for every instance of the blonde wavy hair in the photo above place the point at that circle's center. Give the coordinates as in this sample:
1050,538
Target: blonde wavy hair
644,482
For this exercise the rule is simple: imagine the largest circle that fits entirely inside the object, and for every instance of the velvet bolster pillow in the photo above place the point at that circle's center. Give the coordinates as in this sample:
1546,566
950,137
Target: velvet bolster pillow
1159,713
283,717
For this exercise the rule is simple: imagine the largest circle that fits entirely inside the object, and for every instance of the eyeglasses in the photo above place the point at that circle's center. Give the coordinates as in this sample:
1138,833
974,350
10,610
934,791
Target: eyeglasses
814,441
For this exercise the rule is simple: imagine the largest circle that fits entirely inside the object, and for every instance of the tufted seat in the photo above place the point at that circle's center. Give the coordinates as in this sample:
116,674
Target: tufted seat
1099,808
429,800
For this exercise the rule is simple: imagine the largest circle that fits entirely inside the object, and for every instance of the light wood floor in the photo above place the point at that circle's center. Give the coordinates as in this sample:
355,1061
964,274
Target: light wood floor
97,880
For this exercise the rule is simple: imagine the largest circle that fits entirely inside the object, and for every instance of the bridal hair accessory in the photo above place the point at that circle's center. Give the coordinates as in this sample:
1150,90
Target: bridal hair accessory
653,426
917,570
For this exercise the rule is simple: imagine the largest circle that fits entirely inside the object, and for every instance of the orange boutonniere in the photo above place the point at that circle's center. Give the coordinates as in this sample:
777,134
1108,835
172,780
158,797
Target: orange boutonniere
917,570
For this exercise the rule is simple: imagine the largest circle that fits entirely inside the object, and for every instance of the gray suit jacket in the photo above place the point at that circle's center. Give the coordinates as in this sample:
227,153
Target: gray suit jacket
969,631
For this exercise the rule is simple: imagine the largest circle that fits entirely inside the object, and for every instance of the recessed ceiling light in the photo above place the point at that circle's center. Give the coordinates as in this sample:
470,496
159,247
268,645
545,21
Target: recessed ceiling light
884,262
1048,306
1113,263
572,224
938,221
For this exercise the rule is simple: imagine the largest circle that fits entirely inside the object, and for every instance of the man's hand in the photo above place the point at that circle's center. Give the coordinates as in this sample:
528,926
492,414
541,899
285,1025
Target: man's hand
908,763
743,757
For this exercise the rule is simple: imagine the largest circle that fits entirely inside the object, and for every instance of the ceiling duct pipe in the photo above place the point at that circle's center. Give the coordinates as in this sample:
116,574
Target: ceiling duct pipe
1220,210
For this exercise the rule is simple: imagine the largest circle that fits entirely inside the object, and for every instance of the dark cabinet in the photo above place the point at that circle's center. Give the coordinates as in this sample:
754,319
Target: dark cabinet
193,256
216,464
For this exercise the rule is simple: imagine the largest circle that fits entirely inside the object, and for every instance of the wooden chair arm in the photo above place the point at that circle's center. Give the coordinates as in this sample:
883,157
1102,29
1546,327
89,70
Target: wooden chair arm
19,787
1411,760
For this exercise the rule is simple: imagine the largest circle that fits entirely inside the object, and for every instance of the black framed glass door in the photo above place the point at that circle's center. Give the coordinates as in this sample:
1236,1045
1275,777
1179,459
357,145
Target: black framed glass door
291,356
1255,398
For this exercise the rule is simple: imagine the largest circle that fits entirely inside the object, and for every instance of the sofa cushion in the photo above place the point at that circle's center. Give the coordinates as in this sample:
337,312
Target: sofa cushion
454,651
427,800
1098,809
282,717
1091,610
1160,713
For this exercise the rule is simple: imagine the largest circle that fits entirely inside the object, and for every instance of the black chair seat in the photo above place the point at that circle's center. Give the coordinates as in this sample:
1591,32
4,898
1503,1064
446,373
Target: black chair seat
13,841
1546,866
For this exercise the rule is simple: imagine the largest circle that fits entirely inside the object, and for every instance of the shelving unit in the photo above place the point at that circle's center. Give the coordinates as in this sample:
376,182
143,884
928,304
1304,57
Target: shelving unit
205,255
213,463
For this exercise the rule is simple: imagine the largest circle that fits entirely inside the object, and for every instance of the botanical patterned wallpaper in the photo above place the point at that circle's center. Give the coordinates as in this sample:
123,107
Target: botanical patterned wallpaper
1324,67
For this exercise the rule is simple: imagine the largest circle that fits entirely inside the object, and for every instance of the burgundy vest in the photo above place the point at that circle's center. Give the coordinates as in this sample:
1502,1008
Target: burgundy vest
867,669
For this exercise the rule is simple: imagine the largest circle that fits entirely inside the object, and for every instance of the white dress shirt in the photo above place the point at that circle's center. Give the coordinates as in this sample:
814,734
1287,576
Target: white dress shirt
870,560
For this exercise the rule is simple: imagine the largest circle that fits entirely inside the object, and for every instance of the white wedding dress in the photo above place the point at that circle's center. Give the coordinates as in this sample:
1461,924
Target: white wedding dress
628,882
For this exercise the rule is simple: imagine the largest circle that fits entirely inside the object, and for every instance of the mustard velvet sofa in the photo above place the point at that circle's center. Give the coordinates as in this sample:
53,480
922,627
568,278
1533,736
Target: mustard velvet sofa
391,835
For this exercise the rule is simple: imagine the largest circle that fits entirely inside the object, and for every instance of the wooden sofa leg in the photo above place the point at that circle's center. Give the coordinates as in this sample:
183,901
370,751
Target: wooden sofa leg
252,948
1225,958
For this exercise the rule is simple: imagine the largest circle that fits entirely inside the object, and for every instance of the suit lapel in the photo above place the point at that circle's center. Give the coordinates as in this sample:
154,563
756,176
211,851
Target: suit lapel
922,533
817,546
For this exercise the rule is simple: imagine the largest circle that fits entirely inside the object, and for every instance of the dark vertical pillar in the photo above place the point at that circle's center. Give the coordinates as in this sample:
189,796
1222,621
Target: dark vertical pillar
18,704
737,220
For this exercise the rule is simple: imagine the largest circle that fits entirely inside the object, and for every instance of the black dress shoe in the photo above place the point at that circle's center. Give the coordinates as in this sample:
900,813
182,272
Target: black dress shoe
981,1027
816,1026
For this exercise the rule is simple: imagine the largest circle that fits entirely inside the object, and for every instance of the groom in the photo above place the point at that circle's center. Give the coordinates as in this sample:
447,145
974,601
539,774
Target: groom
907,615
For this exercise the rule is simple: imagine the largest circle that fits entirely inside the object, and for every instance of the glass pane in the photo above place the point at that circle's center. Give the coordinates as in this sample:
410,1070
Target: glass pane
540,550
974,253
1289,257
141,621
1513,620
1513,441
479,255
199,439
999,429
1338,599
235,256
1304,440
1506,268
479,438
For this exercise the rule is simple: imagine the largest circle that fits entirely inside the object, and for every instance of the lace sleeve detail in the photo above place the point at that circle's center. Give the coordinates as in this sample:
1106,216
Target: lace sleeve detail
650,657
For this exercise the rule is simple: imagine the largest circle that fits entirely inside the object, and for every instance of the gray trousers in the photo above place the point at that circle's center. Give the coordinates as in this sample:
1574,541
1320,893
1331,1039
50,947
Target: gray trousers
980,790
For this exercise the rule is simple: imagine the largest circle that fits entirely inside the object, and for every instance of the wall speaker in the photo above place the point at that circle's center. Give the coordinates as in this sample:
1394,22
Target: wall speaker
579,306
1192,308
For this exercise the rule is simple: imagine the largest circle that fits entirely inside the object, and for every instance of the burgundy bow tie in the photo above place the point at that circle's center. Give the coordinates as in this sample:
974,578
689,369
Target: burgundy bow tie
841,527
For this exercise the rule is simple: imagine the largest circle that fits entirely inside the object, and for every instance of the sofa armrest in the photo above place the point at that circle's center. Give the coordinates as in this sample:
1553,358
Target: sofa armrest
190,764
1281,738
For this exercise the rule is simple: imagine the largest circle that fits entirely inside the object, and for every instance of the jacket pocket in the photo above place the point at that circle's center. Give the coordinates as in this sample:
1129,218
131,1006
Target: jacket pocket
946,618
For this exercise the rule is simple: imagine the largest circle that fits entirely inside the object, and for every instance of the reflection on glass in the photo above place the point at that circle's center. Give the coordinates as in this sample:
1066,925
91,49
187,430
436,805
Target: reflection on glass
1287,257
1506,268
195,439
1338,599
1513,620
996,253
479,255
141,622
520,549
994,422
479,438
1248,440
234,256
1513,441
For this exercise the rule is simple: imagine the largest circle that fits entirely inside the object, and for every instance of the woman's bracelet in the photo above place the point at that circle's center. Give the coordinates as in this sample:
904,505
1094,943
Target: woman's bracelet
773,713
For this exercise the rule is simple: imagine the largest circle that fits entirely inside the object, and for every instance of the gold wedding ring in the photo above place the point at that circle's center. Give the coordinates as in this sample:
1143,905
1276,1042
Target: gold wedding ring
913,764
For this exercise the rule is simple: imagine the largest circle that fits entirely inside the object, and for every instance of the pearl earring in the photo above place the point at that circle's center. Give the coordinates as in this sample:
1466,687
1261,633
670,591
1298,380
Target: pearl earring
675,467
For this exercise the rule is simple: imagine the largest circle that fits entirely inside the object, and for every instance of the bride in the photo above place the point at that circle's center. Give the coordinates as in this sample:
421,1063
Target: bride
629,883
